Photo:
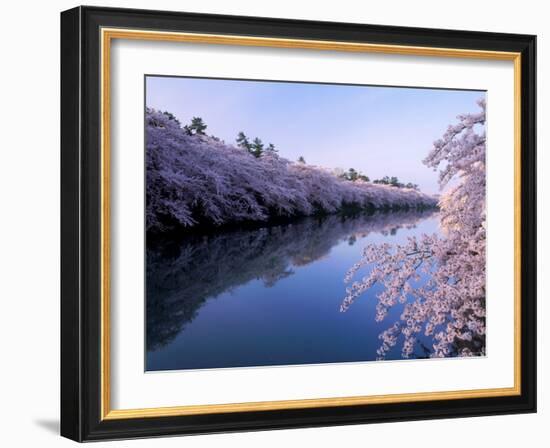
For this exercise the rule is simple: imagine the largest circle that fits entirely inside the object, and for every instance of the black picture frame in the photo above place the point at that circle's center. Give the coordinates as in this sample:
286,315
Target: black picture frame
81,415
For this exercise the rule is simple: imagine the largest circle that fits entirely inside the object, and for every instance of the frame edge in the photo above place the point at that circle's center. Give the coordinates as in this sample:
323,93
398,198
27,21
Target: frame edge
71,379
529,223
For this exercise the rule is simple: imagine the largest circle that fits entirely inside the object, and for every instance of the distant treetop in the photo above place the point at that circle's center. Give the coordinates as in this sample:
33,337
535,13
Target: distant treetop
256,147
197,126
394,182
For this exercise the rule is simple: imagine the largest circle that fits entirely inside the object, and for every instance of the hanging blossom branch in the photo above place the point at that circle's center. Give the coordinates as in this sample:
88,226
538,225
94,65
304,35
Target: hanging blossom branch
450,306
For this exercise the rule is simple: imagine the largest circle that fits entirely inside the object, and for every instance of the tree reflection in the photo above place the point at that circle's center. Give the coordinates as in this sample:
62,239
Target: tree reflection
182,276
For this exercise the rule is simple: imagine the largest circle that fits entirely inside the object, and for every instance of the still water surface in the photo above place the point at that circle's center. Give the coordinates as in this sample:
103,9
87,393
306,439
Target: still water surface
270,296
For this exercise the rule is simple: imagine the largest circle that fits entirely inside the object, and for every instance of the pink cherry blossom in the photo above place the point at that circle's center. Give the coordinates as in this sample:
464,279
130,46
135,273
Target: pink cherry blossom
450,306
198,179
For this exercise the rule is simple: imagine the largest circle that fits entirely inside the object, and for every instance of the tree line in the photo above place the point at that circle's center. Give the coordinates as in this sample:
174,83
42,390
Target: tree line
257,148
193,179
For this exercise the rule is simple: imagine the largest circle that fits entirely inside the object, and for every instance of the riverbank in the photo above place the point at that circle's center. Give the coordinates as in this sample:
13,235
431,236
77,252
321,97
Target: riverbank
198,180
386,214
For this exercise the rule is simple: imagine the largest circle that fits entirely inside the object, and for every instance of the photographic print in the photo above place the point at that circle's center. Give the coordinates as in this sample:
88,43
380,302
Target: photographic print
272,223
293,223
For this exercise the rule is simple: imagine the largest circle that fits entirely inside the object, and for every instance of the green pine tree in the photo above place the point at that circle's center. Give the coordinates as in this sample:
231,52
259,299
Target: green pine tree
171,116
257,147
242,141
352,175
197,126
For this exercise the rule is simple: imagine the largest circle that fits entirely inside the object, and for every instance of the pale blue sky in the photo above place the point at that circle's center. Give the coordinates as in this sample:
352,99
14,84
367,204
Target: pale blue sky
377,130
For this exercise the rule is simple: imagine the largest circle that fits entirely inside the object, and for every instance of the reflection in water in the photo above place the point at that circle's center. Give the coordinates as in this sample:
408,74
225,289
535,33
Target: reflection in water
181,277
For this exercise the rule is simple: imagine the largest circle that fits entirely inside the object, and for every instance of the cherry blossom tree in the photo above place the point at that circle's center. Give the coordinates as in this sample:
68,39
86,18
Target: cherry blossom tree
449,307
195,178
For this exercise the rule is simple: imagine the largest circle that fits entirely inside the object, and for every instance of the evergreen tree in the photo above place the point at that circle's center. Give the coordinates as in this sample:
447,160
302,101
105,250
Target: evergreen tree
352,175
171,116
197,126
243,142
385,181
257,147
301,160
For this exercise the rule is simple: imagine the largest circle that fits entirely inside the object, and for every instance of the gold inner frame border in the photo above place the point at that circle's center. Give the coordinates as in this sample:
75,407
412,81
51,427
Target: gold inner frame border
107,36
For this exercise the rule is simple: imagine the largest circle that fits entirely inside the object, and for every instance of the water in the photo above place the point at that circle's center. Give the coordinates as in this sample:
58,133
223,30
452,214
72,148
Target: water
270,296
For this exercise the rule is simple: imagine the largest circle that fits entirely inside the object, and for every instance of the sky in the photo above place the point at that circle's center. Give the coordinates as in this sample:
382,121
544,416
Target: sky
379,131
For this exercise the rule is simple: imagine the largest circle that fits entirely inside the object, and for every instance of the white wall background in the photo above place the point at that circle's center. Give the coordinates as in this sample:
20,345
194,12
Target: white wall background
29,224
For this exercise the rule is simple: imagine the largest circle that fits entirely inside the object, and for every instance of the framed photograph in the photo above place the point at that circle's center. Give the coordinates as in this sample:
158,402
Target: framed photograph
273,223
